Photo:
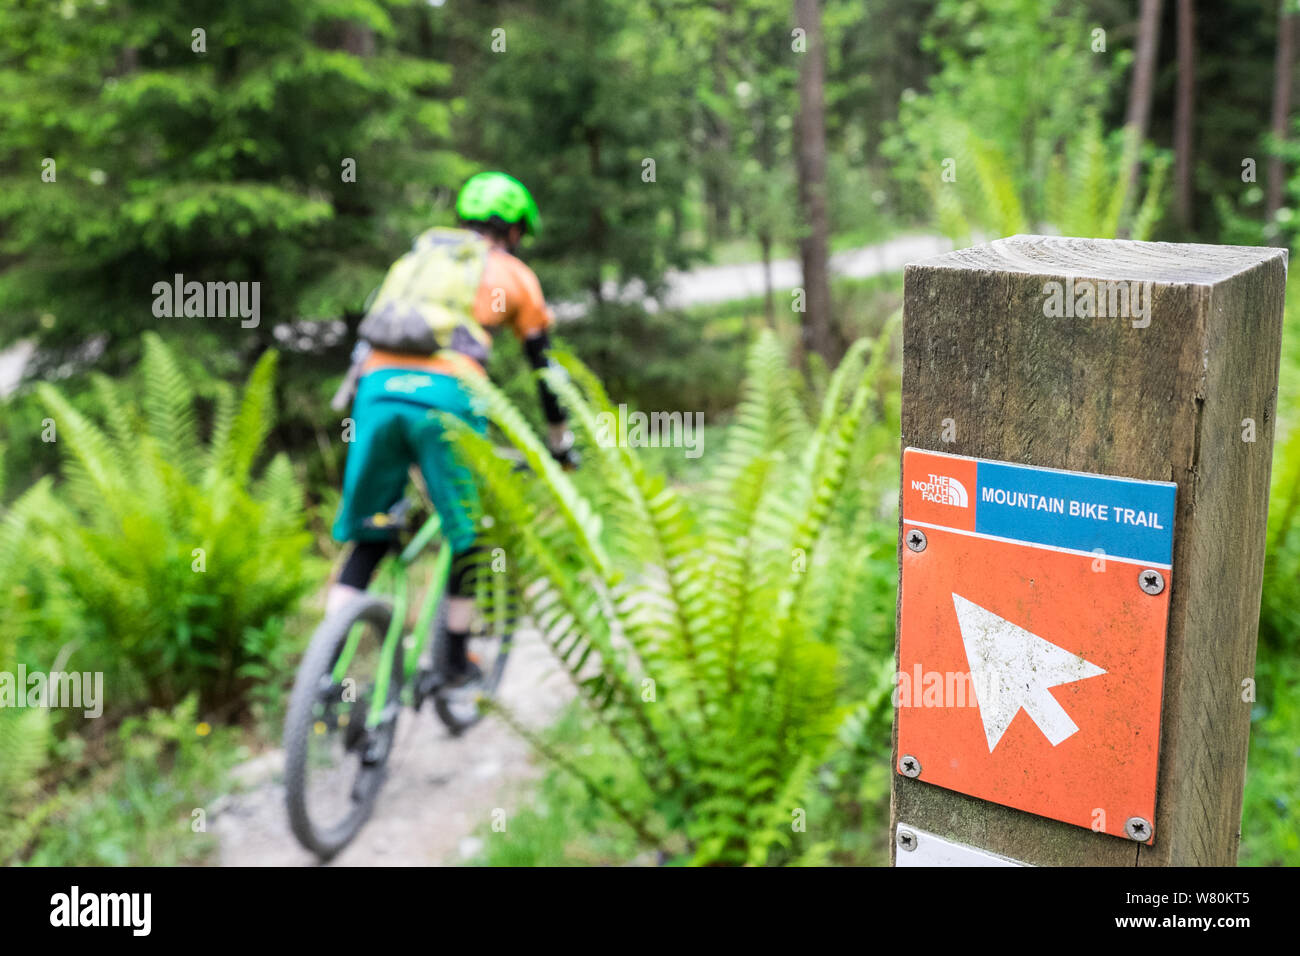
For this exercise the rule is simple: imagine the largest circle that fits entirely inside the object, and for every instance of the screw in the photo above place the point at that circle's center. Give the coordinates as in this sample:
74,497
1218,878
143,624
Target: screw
906,840
909,766
1137,829
916,540
1151,581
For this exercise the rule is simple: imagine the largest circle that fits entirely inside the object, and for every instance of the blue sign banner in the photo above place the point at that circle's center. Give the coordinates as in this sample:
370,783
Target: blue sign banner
1122,517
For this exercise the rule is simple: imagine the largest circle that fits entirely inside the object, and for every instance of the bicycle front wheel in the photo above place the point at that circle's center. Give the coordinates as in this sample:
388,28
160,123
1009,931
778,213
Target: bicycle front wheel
334,755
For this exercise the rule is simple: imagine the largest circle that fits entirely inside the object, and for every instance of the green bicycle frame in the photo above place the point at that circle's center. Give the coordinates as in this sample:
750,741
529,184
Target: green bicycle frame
396,582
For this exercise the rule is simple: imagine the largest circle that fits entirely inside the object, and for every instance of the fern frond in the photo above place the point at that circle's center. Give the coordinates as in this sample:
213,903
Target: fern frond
279,491
1148,214
223,423
24,747
774,820
769,416
672,594
572,615
582,520
252,423
169,405
88,444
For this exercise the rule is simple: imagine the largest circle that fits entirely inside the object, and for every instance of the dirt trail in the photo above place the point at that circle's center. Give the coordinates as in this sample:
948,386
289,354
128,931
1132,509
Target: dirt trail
439,790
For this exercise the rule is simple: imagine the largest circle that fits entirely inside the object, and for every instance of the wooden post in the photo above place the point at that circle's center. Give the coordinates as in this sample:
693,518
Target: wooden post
990,373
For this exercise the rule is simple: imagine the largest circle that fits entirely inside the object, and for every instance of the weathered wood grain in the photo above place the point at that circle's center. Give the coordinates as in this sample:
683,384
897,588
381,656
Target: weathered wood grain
1162,402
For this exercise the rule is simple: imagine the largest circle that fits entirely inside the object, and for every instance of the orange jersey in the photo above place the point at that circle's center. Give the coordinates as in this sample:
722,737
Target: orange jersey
508,295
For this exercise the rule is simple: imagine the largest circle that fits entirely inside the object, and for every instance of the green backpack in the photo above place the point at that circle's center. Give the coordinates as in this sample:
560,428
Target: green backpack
426,302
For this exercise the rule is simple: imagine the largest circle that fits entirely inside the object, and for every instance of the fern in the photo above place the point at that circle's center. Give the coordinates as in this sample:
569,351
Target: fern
681,622
1148,214
24,746
232,455
25,735
1084,193
180,563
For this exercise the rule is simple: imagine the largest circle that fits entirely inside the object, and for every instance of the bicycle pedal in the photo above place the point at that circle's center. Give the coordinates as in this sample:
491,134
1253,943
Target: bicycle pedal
427,684
378,745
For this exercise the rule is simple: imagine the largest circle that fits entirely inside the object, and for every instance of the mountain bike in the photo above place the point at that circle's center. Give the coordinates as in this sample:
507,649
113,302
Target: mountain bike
361,668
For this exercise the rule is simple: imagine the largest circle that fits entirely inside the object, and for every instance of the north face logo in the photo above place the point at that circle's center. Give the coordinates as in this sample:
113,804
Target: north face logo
942,490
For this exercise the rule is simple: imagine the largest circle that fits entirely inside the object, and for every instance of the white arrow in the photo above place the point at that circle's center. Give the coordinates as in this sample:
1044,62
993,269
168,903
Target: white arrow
1012,668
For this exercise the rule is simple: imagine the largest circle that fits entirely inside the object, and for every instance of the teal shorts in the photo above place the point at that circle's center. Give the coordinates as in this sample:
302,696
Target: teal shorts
397,424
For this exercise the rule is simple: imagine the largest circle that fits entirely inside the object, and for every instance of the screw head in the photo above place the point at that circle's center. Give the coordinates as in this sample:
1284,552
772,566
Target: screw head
909,766
906,840
1151,581
916,540
1136,828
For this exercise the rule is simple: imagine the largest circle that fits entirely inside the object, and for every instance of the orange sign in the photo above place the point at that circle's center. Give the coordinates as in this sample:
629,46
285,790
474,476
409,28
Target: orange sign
1032,641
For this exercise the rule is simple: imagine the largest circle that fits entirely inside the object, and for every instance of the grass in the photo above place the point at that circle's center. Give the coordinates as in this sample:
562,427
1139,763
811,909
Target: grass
562,824
144,801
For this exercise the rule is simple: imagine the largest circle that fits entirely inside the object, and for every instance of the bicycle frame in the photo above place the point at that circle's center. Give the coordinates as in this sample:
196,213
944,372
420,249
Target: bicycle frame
395,578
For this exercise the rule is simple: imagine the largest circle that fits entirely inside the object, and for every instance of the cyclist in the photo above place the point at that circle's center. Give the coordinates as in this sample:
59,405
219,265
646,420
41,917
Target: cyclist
432,316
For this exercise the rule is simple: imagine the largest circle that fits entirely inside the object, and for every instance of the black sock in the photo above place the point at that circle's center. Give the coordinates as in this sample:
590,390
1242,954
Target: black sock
457,658
361,563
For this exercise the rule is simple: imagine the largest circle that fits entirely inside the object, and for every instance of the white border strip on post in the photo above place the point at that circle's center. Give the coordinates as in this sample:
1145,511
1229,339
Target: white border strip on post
930,849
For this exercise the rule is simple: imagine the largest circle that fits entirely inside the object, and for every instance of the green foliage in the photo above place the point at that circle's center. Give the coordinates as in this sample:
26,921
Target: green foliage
1270,826
1086,189
1018,74
1234,95
25,735
24,749
690,628
224,162
181,563
563,824
665,359
582,94
1015,113
138,811
848,809
1241,213
1270,817
1085,194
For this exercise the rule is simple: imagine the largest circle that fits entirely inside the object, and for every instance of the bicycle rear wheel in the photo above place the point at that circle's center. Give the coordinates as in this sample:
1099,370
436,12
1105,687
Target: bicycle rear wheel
334,764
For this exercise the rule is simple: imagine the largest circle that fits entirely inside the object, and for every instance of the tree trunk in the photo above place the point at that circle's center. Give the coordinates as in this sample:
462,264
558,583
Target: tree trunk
596,224
1282,64
1185,113
819,334
769,297
358,39
1140,92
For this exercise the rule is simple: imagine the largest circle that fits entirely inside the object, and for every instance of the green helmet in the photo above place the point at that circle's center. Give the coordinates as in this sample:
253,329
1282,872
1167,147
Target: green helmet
489,195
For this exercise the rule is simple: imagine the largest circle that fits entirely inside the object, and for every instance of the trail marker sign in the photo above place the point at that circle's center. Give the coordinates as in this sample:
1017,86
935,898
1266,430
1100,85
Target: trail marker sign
1031,652
1125,366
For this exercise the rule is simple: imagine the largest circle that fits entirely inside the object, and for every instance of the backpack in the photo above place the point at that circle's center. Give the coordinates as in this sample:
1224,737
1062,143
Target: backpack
426,302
